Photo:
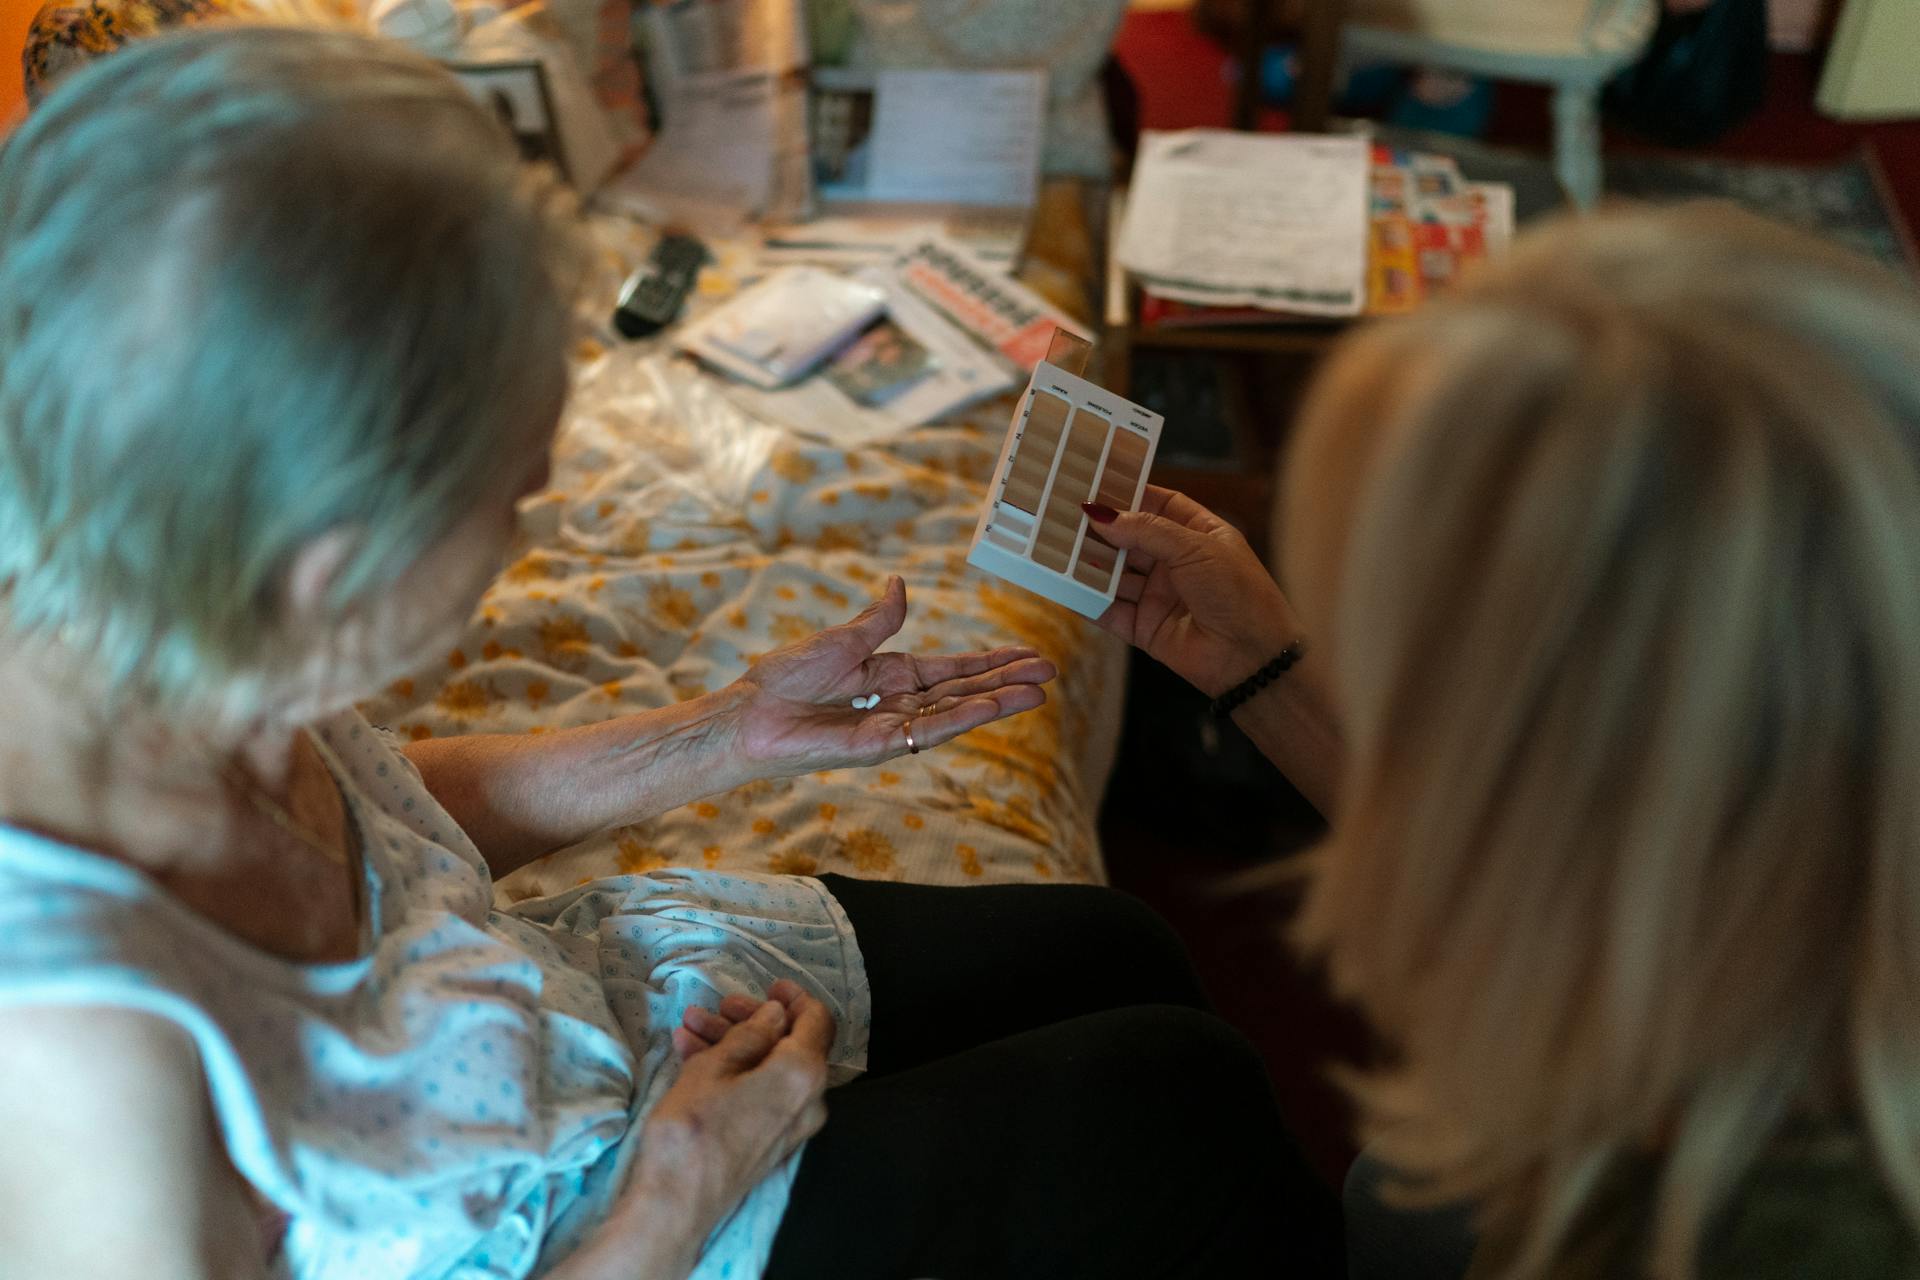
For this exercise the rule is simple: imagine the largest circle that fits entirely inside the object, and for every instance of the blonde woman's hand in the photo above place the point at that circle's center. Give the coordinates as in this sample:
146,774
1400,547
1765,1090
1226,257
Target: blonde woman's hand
1194,595
797,714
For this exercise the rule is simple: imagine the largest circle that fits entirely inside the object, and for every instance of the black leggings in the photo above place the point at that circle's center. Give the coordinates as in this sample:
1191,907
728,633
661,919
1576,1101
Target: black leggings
1047,1096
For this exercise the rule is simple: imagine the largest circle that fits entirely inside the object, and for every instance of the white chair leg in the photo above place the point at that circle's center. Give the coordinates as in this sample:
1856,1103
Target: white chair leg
1576,142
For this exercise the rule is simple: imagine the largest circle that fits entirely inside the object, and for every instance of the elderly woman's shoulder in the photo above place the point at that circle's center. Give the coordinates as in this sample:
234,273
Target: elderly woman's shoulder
108,1106
48,1047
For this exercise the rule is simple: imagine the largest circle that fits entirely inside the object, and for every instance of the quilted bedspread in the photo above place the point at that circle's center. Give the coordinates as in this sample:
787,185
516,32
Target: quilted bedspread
679,539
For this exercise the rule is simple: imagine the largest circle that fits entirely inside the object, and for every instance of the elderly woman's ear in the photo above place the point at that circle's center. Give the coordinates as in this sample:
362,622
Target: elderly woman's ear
317,566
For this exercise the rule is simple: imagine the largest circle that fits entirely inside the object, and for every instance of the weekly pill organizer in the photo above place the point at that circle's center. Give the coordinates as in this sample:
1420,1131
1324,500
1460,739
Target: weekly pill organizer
1070,442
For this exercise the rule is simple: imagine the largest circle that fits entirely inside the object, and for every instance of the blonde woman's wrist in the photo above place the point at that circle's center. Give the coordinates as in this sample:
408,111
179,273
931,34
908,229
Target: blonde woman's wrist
1269,672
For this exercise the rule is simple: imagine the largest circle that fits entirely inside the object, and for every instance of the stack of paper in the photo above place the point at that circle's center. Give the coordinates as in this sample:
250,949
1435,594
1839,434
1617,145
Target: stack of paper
733,138
1275,221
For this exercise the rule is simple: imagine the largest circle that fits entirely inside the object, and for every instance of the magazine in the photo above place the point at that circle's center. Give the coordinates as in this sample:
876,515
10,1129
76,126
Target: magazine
995,310
956,372
880,364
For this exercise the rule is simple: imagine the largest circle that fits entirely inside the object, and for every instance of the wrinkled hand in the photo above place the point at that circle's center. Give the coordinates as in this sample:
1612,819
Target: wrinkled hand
701,1029
1194,595
798,714
742,1104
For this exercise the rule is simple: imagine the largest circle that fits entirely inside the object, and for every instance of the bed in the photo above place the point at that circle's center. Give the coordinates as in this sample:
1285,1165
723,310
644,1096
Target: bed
679,539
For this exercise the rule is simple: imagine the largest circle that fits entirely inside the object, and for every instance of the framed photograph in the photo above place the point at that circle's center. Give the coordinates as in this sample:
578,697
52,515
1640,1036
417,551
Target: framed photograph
517,92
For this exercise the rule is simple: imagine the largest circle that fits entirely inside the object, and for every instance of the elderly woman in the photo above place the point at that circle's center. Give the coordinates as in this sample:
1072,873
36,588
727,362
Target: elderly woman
281,336
1613,565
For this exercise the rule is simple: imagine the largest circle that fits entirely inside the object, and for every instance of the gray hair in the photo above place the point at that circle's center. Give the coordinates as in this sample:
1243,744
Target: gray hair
256,284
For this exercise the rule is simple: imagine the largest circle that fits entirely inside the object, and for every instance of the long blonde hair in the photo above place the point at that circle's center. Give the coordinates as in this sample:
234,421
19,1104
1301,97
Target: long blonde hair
1622,552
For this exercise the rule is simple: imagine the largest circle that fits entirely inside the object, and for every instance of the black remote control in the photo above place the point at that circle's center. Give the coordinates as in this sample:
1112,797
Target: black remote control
651,298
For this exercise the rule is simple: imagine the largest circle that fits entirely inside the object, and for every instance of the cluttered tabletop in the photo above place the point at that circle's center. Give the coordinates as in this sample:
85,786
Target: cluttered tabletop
817,354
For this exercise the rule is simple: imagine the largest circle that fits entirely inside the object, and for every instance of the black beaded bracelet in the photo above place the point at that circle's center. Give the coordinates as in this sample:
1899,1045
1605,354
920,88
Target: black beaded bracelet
1229,702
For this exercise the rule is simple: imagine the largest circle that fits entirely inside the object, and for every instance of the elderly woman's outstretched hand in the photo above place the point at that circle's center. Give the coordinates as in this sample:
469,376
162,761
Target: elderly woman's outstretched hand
799,716
1194,594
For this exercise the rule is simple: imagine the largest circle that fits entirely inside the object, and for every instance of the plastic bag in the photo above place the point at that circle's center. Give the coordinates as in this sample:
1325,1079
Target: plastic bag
1702,74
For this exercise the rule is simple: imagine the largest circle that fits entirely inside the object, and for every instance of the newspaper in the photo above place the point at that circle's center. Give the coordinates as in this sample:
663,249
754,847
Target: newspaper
955,373
1263,220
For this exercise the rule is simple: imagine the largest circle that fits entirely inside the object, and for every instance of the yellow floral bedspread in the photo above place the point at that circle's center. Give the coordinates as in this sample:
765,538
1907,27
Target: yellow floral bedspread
679,540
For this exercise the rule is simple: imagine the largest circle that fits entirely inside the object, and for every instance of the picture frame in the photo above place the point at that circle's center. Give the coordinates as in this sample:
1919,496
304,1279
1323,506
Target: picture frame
518,93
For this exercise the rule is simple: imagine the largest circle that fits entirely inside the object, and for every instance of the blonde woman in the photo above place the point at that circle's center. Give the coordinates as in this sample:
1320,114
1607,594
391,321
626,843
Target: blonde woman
1611,567
282,336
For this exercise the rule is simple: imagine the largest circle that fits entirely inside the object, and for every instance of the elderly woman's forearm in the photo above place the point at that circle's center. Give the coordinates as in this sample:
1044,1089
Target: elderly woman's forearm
636,1244
641,1241
519,796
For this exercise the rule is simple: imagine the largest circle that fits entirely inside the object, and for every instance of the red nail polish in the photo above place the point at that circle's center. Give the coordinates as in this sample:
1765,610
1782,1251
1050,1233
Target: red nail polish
1099,512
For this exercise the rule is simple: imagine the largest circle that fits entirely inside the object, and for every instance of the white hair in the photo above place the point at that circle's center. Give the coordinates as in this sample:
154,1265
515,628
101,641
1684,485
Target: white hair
256,284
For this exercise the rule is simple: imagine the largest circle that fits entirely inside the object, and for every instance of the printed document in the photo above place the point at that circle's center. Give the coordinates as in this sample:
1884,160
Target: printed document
1277,221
